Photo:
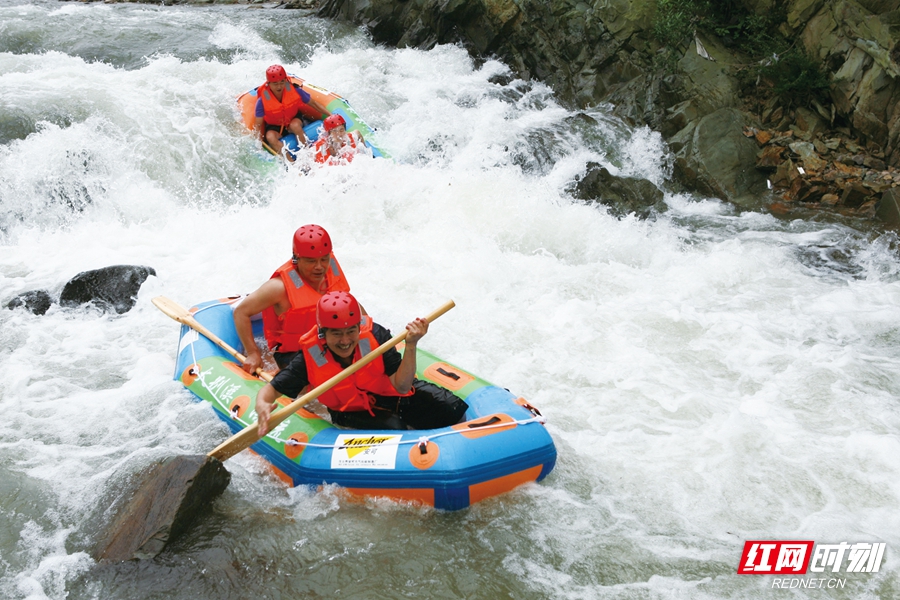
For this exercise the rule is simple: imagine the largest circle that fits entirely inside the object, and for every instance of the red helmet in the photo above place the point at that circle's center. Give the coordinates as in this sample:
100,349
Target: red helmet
275,73
311,241
334,121
337,310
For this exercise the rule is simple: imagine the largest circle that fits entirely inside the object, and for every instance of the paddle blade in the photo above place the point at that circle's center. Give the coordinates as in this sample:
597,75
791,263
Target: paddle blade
168,501
171,309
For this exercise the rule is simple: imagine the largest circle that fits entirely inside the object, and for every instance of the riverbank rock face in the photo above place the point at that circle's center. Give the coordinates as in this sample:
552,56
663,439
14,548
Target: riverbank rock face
603,51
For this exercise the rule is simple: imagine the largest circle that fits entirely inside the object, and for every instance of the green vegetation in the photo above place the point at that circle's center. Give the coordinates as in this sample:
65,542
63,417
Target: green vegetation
796,78
677,20
793,76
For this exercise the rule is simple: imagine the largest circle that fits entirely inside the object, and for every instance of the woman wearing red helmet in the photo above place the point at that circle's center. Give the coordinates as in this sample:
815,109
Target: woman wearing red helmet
338,144
288,299
283,106
382,395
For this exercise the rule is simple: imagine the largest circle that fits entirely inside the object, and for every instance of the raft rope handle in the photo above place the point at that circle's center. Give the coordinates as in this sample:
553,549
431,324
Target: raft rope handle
419,442
445,373
422,442
490,421
227,408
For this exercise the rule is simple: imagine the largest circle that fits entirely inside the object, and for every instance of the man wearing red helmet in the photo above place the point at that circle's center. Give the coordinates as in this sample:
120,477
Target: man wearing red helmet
337,144
283,105
382,395
288,299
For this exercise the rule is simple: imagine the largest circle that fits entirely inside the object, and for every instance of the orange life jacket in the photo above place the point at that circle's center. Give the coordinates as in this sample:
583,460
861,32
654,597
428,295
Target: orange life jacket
283,331
347,151
281,112
355,392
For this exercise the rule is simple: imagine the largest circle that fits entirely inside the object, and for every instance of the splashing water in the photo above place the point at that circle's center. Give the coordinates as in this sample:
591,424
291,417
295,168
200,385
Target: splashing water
709,376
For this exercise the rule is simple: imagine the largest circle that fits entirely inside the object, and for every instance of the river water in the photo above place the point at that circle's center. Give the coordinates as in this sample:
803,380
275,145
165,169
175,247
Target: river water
709,377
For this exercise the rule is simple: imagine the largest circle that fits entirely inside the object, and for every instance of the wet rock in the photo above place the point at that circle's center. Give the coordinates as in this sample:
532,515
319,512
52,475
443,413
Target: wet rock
855,194
623,195
808,155
874,163
825,173
165,505
763,137
110,288
718,160
888,208
36,301
770,157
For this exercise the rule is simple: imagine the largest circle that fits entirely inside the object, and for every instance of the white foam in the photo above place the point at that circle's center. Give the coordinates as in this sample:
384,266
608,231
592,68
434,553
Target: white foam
702,373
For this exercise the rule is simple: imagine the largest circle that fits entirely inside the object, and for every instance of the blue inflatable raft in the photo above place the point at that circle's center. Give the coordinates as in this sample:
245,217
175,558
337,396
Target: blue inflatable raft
333,104
501,444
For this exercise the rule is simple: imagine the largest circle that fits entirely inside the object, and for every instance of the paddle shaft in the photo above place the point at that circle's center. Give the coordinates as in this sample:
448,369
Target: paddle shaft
269,149
250,434
180,314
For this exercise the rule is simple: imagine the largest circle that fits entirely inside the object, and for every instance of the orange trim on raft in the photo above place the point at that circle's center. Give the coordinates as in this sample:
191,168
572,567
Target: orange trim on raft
448,376
236,368
501,485
471,429
426,460
241,403
292,452
190,375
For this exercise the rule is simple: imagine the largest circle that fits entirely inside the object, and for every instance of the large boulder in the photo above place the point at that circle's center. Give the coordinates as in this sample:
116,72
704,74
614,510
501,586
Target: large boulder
715,157
623,195
174,494
110,288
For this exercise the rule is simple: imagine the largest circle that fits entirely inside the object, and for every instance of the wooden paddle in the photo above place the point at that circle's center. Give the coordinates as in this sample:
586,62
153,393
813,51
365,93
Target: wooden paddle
184,316
269,149
175,492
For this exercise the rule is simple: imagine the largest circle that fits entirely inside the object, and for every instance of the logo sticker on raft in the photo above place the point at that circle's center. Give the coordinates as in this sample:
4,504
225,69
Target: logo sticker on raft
365,451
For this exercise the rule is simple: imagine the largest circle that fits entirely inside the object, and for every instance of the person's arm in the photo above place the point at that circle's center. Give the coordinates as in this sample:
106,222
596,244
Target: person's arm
318,107
292,381
260,129
269,294
265,400
402,380
259,112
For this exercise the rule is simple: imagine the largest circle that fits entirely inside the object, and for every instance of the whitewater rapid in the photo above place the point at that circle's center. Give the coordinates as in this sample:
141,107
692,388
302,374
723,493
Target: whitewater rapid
709,376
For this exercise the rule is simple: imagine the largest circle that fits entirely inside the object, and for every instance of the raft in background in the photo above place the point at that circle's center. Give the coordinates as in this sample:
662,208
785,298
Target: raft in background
332,103
501,444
